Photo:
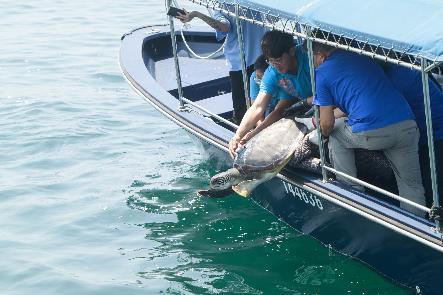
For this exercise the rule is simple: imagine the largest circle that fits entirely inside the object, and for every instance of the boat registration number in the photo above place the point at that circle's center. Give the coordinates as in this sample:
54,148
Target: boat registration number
305,196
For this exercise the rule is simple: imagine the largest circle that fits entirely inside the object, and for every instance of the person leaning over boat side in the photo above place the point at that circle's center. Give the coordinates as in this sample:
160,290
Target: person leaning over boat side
410,85
260,67
225,27
379,118
287,77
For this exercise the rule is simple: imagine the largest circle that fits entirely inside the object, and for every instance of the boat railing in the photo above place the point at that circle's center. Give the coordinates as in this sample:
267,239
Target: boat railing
174,52
208,112
289,24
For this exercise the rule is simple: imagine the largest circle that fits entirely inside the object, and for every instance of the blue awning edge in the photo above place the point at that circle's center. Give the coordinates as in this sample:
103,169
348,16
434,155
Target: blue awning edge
413,27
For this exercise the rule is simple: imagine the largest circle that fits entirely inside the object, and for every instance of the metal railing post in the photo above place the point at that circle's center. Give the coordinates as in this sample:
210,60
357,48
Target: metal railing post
177,65
242,54
317,108
427,103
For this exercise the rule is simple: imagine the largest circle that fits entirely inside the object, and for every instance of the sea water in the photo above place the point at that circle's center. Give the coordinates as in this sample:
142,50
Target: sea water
98,190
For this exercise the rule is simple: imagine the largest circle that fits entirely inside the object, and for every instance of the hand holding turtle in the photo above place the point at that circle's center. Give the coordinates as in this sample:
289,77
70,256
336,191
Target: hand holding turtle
247,137
233,145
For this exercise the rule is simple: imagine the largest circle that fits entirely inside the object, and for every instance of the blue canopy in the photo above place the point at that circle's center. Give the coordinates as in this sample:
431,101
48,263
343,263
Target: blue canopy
413,26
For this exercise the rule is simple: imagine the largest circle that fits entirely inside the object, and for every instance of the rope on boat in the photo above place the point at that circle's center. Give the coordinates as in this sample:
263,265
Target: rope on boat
192,51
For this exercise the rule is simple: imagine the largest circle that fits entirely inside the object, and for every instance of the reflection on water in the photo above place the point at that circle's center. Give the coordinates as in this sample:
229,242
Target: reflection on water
232,245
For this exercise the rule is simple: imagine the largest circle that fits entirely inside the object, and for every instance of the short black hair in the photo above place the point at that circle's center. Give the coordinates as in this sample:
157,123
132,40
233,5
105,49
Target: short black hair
316,47
261,64
275,43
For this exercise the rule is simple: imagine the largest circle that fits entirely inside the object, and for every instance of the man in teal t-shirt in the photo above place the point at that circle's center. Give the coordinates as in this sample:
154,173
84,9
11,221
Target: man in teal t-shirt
288,84
287,76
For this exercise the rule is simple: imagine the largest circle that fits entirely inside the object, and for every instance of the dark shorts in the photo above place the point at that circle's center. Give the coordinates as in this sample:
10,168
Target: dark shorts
238,92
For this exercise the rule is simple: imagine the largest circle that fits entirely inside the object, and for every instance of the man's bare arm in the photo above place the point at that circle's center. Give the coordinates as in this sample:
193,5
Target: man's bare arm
253,114
273,117
251,117
327,120
339,113
217,25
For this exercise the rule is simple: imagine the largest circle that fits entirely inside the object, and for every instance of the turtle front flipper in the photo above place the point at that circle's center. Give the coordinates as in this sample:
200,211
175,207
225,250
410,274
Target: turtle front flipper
246,187
215,193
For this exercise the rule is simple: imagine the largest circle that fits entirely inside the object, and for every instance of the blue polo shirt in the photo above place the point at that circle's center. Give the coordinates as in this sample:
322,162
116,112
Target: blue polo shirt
254,89
252,35
289,86
409,83
359,87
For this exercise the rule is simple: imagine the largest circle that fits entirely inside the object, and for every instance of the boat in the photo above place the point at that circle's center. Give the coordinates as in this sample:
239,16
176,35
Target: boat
159,63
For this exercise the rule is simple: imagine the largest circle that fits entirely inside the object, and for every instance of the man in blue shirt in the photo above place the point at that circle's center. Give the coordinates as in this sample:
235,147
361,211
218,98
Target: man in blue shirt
287,77
410,85
226,27
379,118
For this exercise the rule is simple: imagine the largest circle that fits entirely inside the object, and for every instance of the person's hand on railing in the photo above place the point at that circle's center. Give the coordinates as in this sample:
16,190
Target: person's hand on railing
235,143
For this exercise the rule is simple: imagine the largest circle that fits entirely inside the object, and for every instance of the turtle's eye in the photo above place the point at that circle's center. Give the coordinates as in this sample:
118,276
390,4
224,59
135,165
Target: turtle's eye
219,181
224,180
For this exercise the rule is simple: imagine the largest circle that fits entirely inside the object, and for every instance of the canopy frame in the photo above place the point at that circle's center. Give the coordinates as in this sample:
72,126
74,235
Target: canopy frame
290,24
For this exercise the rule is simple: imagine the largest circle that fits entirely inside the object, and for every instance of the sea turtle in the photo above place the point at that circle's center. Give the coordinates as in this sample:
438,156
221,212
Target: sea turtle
288,142
260,159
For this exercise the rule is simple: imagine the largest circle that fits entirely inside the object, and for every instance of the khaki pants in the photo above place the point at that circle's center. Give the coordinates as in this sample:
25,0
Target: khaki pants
398,141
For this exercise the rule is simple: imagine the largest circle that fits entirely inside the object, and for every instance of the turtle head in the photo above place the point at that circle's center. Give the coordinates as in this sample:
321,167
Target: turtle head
226,179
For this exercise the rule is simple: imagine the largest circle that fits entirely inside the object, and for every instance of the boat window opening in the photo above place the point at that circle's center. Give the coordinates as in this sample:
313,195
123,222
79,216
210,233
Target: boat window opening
375,51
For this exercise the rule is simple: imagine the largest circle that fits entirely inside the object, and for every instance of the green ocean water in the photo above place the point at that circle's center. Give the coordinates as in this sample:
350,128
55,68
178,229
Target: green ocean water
98,190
